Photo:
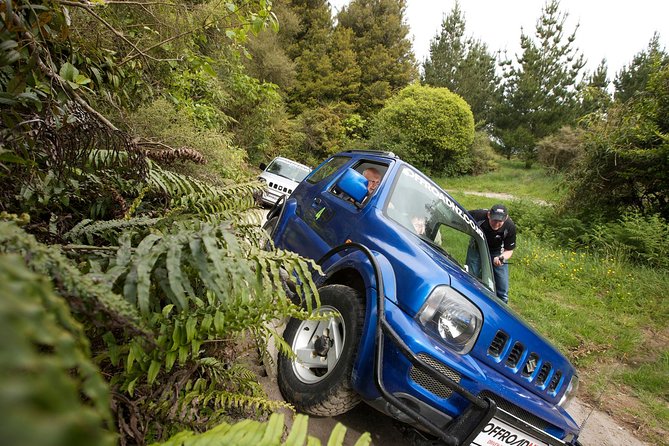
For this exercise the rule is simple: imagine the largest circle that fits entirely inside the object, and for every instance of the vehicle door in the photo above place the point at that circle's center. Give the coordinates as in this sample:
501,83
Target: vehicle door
325,216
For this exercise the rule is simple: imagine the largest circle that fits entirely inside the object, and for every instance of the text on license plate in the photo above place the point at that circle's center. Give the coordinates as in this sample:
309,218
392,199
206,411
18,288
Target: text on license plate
498,433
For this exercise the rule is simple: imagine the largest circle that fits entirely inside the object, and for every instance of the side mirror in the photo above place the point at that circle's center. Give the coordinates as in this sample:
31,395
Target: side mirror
353,184
263,166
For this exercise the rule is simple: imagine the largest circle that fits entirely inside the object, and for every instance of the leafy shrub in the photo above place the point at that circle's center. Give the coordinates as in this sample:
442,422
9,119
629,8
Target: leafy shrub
641,238
431,128
164,122
530,217
560,151
482,155
164,297
626,156
323,133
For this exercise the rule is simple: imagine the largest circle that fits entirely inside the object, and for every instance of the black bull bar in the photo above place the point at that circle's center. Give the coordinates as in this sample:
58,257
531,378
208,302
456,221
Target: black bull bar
464,428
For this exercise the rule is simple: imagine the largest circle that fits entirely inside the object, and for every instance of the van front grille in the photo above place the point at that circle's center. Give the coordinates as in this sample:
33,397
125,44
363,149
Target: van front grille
518,361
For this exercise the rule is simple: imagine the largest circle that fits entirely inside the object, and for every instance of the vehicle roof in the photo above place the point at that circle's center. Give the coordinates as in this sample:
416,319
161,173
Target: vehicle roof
379,153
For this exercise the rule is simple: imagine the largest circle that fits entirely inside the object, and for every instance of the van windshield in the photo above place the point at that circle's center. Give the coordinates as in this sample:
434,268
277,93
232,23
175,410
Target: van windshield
426,210
288,170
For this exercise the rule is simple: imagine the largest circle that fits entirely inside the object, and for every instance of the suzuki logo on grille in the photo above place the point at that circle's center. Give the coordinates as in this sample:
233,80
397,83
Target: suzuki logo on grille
530,366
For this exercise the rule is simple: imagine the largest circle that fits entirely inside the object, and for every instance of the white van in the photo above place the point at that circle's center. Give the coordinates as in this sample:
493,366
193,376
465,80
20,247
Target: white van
281,176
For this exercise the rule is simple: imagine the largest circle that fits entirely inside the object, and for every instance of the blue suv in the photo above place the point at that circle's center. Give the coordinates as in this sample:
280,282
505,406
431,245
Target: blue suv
405,325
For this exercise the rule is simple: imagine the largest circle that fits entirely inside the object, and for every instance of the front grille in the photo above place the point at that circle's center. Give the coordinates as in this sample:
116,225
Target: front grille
517,411
498,343
427,382
520,361
514,356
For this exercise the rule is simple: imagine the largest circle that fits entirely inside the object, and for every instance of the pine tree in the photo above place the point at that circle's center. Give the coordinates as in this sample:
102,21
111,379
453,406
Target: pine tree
447,51
383,51
541,90
310,50
633,78
596,97
463,65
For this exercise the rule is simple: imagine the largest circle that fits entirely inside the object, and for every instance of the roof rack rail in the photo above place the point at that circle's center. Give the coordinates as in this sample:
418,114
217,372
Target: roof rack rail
371,152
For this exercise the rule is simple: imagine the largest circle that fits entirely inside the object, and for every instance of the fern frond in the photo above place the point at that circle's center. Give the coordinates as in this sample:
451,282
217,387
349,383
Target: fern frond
49,385
108,230
199,197
255,433
170,154
194,260
49,261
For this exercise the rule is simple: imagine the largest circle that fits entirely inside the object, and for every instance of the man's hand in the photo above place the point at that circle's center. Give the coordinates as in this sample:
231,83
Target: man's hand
498,261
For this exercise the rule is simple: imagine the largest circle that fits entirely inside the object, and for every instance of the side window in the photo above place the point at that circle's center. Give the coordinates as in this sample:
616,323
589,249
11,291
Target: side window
327,169
373,172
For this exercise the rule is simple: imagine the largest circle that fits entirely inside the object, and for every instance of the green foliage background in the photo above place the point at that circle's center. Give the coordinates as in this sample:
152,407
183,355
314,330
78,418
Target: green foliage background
126,193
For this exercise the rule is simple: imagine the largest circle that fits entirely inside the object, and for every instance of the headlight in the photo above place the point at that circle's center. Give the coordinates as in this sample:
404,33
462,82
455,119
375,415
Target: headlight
448,316
569,395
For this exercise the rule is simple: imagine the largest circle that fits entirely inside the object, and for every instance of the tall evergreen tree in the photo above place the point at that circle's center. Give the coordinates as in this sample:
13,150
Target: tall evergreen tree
596,97
627,156
382,49
463,65
310,49
541,90
633,78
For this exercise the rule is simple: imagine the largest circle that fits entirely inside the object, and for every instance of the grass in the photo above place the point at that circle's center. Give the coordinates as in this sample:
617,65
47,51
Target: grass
610,317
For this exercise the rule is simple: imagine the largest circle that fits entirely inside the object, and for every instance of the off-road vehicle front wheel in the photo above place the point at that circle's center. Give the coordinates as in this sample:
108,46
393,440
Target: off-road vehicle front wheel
318,380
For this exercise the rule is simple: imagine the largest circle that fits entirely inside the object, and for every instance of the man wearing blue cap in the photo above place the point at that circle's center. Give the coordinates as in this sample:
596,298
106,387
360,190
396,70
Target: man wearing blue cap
500,233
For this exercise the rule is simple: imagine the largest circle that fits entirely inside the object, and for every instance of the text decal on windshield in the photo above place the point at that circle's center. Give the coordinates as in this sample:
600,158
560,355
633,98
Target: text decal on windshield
443,197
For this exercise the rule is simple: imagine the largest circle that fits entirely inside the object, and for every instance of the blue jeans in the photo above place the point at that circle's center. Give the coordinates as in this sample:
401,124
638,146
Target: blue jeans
502,281
501,273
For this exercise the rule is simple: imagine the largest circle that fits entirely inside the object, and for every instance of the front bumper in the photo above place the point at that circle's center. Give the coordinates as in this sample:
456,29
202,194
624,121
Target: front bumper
271,196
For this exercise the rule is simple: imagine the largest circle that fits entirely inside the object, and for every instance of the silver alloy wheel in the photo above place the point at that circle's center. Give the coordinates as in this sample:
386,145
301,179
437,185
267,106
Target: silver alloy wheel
318,345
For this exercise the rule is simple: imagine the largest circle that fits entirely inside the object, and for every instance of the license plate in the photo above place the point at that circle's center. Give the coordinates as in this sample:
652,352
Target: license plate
499,433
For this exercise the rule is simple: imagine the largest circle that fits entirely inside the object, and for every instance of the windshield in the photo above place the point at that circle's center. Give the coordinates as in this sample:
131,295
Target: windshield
288,170
424,209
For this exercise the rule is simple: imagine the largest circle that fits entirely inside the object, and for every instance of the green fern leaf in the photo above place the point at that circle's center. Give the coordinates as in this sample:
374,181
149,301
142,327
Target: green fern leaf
364,440
337,435
274,430
298,433
179,284
146,257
